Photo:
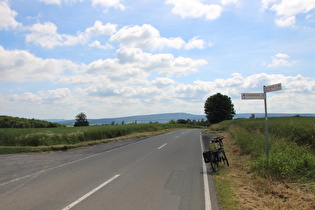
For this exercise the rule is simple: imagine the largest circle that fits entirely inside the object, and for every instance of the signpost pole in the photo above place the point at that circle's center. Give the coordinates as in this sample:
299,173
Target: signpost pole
266,124
250,96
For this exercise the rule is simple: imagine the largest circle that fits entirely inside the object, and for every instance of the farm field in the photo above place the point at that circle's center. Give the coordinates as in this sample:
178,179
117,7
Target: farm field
43,139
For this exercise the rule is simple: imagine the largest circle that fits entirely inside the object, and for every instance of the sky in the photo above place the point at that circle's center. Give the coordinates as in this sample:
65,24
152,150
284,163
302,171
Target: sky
116,58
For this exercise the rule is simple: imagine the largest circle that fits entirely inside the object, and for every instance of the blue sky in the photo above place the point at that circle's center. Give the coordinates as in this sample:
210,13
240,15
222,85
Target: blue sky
114,58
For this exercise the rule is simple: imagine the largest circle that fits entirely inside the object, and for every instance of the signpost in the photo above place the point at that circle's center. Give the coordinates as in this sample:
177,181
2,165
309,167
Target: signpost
253,96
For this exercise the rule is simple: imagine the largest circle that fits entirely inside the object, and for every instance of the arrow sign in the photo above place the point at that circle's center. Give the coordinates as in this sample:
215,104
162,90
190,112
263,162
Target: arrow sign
250,96
272,88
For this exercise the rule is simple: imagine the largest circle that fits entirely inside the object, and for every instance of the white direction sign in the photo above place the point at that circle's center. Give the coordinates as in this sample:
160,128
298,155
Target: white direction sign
250,96
272,88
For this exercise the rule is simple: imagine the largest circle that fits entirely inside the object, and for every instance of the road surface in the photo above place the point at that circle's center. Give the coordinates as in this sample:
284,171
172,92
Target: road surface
160,172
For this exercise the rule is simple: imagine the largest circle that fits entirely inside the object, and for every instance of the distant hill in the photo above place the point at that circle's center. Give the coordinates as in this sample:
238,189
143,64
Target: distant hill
161,118
164,118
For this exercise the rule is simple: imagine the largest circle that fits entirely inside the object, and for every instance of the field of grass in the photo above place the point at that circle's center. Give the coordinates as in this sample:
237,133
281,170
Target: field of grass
291,140
285,181
292,146
14,139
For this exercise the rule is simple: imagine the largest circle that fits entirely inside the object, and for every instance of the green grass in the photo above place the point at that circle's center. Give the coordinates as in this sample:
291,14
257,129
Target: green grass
224,190
292,146
14,140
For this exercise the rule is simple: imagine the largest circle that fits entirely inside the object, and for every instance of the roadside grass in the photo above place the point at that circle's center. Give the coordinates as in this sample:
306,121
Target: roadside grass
286,182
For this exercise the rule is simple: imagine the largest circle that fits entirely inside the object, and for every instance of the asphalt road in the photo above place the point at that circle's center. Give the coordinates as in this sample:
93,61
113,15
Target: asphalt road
160,172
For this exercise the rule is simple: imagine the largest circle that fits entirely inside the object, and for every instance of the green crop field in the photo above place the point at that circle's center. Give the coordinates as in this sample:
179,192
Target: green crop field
18,139
291,140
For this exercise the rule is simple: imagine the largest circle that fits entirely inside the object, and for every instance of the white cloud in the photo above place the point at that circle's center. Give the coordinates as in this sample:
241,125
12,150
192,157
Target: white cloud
195,9
26,97
46,35
165,64
105,97
100,29
61,95
148,38
95,3
287,10
145,37
281,59
282,55
286,22
97,44
21,66
108,3
7,17
163,82
227,2
195,43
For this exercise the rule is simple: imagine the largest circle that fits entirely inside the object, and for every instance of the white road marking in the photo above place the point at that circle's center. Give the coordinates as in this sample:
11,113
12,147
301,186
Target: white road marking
90,193
162,146
208,205
176,137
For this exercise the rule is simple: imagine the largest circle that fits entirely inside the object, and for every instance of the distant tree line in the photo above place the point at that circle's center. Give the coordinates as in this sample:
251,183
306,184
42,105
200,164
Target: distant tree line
201,122
17,122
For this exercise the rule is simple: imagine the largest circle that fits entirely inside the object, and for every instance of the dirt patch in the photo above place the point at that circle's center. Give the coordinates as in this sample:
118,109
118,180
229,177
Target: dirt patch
255,192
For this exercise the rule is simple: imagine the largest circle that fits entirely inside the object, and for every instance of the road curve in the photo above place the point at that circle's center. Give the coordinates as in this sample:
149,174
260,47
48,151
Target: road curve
160,172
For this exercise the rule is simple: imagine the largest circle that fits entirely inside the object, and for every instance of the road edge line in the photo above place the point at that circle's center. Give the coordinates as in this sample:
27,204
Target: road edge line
208,205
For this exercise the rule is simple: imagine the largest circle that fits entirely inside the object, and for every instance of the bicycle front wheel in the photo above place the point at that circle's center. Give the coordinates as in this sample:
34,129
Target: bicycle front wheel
224,158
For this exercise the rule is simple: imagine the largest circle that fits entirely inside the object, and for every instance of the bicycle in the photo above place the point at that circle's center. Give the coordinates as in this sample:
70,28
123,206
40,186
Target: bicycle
216,155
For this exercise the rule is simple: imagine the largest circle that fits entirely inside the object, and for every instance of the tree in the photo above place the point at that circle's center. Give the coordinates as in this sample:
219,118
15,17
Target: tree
219,107
81,120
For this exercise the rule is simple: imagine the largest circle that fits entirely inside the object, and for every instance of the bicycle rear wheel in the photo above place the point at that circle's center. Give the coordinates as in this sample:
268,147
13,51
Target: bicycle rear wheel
214,161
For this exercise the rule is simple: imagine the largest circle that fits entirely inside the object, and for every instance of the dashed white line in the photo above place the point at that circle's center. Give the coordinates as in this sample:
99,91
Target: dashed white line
90,193
162,146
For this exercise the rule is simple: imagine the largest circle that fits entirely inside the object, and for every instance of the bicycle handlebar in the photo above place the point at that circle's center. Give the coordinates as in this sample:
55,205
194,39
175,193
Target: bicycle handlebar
218,140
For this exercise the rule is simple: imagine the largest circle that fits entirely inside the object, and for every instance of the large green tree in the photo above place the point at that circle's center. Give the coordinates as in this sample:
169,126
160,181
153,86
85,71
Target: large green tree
81,120
219,107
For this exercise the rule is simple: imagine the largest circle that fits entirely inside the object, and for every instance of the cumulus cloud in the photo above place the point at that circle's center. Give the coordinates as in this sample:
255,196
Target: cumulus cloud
106,96
95,3
21,66
7,17
195,43
281,59
165,64
287,10
47,96
97,44
148,38
197,9
145,37
100,29
46,35
108,3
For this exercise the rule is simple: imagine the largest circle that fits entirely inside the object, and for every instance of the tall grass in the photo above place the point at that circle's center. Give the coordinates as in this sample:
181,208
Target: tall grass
292,145
55,136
